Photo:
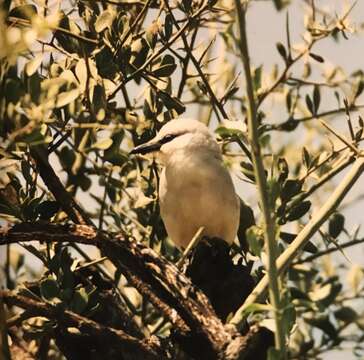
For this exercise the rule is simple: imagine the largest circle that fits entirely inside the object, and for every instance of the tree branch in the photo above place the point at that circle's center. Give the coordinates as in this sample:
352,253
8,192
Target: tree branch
259,172
148,349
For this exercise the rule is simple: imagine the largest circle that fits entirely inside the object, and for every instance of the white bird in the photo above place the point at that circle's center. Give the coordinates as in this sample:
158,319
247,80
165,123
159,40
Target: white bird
195,188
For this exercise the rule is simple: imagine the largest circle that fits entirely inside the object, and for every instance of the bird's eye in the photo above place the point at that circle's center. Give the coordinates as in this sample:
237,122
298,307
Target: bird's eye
168,138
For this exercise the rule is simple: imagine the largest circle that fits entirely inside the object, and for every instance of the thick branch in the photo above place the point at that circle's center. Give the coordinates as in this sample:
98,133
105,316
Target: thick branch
170,291
146,348
198,330
73,210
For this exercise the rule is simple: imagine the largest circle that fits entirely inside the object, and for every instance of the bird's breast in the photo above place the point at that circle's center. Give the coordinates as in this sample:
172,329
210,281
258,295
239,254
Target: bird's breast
198,193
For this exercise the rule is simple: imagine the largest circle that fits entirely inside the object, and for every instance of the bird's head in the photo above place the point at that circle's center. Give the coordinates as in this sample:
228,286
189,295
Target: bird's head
180,134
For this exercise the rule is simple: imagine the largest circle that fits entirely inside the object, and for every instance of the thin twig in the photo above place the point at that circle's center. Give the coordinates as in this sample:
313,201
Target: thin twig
24,22
196,238
340,137
319,254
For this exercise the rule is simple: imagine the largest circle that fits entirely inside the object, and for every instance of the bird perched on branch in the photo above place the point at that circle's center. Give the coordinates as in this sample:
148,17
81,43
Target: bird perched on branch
195,190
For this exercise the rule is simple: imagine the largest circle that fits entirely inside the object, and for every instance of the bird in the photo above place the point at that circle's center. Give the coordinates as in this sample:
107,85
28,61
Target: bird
195,188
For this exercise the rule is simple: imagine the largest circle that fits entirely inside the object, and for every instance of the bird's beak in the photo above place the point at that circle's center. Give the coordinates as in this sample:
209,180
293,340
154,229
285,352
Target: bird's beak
146,148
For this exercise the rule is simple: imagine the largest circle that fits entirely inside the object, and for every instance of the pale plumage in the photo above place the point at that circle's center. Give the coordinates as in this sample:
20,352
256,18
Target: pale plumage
195,188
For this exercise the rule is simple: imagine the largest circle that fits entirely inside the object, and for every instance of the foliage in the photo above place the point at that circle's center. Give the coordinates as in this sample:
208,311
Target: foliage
82,82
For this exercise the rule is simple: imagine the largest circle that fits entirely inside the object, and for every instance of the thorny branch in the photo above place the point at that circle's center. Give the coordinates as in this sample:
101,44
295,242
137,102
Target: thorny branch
157,279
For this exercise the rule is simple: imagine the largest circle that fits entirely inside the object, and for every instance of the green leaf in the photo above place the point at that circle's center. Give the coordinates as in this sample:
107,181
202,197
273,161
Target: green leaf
309,104
257,78
186,6
248,170
282,169
297,293
113,154
25,169
68,43
316,98
172,103
288,238
323,323
79,301
288,318
103,144
321,293
139,52
229,128
336,225
280,4
346,314
360,88
24,12
290,189
316,57
306,157
282,50
166,67
32,65
327,293
104,20
168,26
67,97
49,288
99,102
255,240
299,210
